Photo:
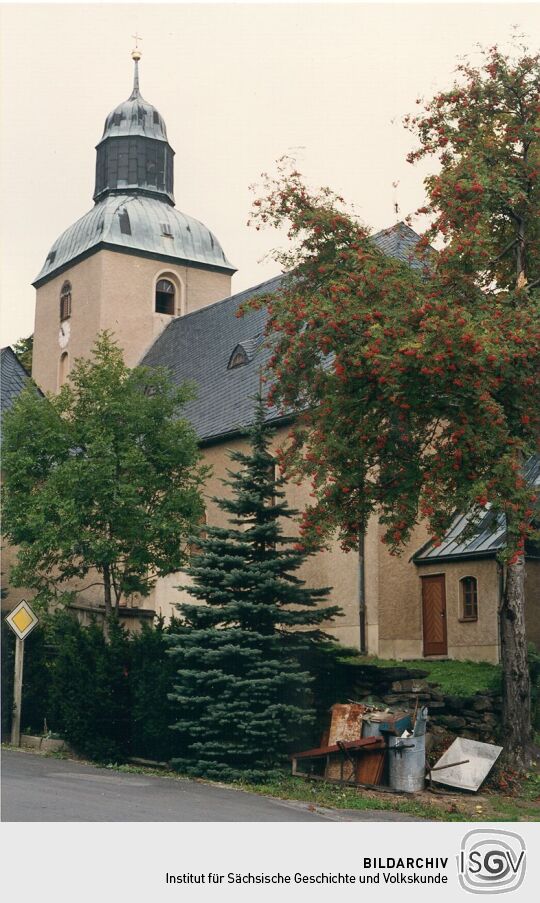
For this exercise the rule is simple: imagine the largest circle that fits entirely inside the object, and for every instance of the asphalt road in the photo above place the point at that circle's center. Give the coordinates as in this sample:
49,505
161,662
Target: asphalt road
38,788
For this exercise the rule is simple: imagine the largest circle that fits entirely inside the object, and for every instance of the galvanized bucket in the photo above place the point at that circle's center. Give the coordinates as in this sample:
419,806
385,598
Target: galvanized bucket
407,763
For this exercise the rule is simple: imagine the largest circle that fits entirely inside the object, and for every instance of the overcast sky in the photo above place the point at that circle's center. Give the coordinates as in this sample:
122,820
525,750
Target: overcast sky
238,85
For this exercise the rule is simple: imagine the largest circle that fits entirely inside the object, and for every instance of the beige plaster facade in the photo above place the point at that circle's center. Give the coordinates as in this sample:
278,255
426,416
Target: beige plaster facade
532,601
473,640
113,291
393,585
333,568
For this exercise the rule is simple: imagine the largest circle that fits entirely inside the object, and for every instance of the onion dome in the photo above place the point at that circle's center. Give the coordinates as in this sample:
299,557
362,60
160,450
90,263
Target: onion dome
134,209
134,155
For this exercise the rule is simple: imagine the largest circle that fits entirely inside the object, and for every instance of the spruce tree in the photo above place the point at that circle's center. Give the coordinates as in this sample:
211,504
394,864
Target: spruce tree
243,698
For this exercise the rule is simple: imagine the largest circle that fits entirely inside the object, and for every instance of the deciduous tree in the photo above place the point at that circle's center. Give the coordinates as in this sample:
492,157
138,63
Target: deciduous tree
416,388
102,481
24,348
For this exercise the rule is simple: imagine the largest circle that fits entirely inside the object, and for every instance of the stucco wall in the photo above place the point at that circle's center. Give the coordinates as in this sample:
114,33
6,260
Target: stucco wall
113,291
80,330
128,298
393,587
532,601
400,618
334,568
371,585
469,640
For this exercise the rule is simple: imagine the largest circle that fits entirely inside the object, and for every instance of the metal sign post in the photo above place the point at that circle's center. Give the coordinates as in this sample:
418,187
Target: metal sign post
22,621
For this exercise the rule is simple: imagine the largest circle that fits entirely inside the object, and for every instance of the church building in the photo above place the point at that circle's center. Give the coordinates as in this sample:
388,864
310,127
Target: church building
173,279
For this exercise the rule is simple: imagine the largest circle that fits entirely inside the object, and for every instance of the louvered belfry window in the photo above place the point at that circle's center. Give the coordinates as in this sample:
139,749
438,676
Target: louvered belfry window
65,301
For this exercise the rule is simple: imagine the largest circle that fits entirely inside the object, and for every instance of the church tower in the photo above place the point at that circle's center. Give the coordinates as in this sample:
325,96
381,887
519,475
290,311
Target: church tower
133,261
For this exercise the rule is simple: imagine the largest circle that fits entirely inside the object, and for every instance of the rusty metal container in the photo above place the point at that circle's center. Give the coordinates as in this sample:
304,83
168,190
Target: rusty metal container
346,722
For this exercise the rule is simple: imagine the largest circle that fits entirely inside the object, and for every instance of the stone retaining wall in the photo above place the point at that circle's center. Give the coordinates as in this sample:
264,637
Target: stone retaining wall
476,717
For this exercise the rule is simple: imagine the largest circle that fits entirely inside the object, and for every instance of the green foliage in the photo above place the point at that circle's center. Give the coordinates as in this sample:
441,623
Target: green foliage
416,384
456,678
485,132
89,690
36,680
107,696
7,663
24,349
417,389
151,675
102,481
36,676
242,698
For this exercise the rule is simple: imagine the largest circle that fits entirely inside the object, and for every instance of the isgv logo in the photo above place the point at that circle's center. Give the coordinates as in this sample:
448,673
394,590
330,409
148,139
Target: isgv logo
491,862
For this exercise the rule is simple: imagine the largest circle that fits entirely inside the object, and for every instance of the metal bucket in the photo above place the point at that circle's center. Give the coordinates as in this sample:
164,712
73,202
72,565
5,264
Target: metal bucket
407,763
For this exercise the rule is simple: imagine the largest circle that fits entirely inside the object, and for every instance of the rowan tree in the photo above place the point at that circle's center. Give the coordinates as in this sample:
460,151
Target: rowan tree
102,481
416,388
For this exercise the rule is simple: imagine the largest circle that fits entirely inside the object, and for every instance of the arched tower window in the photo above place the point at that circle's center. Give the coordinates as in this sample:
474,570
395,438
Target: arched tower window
65,301
165,297
63,368
468,593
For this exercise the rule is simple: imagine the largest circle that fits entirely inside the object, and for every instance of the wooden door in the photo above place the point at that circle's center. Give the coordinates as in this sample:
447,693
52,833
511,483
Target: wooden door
434,615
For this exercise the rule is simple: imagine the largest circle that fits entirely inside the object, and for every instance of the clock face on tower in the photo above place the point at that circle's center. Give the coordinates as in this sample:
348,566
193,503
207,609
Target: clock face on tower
63,334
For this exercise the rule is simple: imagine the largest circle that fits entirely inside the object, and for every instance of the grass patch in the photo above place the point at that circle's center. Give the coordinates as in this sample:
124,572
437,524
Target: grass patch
332,796
522,805
455,678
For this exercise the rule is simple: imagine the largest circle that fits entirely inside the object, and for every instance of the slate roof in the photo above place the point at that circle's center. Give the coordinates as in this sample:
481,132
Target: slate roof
189,241
13,378
400,242
198,347
485,538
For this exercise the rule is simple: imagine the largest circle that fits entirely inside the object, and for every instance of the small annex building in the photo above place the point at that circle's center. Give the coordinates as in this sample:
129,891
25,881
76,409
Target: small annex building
178,311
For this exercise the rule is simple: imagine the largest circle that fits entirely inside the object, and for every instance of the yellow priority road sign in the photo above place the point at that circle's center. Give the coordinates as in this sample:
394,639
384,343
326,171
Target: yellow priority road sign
22,620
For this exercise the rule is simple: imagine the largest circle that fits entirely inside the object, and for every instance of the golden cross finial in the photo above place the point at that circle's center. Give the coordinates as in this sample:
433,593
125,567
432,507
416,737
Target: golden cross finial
136,54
